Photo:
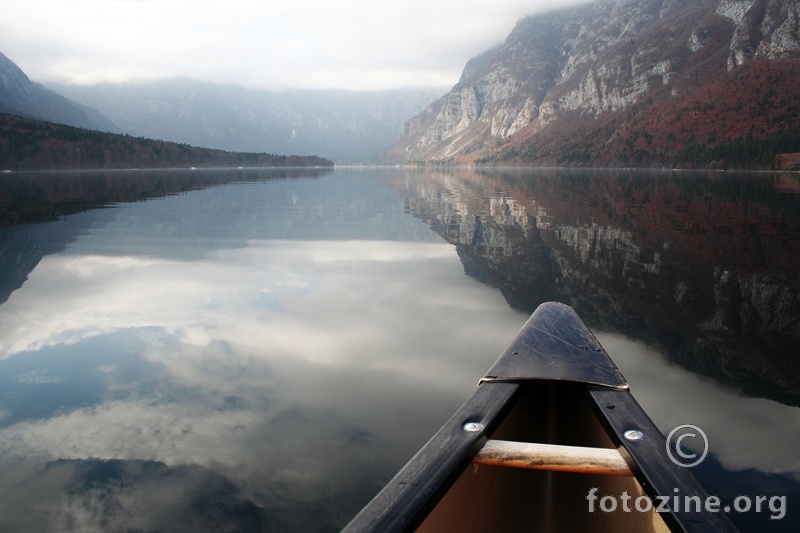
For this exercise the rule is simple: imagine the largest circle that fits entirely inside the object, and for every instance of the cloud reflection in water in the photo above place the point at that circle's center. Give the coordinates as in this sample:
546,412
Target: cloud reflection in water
279,367
263,357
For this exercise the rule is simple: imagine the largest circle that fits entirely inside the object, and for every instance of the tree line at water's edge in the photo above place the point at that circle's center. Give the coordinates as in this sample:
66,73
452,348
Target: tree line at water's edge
28,144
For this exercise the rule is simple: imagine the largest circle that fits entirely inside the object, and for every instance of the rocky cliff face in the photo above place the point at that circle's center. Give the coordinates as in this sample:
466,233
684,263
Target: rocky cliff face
593,60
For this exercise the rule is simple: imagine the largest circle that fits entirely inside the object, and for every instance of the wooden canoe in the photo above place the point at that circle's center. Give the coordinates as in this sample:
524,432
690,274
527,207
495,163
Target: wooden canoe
551,426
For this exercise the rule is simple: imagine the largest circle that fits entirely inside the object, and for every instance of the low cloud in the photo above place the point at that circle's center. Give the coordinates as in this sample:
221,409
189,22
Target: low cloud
352,44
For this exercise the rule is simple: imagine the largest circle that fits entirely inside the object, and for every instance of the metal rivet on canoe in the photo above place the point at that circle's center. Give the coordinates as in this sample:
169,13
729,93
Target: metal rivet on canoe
634,434
473,427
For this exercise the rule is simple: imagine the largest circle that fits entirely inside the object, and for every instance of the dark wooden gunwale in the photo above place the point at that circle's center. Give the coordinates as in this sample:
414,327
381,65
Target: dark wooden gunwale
554,351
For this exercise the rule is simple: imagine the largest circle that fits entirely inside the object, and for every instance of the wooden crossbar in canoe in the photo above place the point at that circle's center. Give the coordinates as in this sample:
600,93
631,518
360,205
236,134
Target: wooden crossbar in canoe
537,456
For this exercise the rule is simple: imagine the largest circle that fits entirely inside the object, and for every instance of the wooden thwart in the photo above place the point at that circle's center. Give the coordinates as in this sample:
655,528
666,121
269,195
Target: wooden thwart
606,461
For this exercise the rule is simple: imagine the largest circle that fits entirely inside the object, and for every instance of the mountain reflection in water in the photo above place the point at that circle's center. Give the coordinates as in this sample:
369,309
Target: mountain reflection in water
261,351
703,266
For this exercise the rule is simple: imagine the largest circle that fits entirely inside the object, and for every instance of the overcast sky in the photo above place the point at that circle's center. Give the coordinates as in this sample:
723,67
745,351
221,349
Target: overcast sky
350,44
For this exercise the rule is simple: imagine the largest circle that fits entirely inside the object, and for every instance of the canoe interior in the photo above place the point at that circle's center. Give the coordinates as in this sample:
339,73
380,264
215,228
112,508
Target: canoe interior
553,384
492,498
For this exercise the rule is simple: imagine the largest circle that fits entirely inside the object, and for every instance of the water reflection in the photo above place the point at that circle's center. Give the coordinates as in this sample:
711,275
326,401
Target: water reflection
40,196
30,197
752,441
683,276
746,432
227,360
701,265
263,355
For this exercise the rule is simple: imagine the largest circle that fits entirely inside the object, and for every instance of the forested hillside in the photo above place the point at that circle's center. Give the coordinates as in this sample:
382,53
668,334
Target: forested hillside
27,144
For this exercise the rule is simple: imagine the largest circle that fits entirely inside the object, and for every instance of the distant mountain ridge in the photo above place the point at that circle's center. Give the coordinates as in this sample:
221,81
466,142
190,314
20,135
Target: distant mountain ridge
348,126
625,82
20,96
343,125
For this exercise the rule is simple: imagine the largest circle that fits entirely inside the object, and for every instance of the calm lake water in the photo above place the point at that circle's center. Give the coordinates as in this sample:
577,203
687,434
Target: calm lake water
255,350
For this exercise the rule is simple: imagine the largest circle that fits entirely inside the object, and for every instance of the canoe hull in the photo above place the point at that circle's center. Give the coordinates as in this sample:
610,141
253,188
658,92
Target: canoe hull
490,498
554,384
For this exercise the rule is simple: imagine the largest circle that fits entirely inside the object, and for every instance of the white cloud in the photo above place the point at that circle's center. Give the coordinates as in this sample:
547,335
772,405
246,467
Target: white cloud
354,44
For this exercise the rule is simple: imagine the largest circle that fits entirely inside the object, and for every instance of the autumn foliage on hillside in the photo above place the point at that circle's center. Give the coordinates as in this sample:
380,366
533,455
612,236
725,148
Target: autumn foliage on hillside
741,119
27,144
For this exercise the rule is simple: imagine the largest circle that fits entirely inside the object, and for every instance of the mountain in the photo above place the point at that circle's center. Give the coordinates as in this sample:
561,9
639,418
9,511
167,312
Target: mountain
20,96
625,83
343,125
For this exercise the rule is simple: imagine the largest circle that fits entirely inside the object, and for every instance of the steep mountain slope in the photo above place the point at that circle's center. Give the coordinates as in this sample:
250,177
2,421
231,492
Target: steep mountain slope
340,124
622,82
20,96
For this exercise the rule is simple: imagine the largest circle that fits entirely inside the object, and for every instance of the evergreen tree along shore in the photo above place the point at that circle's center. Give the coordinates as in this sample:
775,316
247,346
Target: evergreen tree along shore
28,144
